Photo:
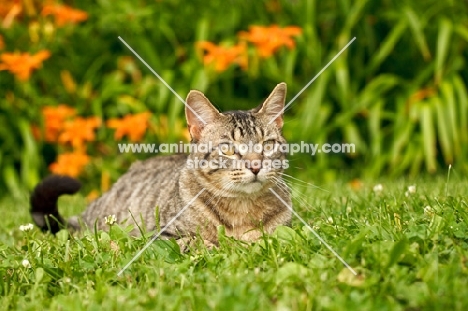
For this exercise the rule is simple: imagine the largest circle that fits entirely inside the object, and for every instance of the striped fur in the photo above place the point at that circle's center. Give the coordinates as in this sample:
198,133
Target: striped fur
239,199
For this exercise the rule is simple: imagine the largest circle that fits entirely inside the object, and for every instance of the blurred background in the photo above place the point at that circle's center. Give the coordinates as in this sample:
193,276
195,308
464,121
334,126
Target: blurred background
71,90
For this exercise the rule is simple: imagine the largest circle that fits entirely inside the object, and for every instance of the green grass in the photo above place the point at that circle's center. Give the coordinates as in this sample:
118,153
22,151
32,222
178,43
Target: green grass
407,258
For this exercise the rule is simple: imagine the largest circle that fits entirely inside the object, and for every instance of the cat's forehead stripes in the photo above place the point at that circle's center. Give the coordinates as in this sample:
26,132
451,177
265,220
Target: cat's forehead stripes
244,125
259,132
238,133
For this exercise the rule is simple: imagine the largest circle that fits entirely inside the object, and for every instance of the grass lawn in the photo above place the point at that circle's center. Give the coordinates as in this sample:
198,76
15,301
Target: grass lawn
410,251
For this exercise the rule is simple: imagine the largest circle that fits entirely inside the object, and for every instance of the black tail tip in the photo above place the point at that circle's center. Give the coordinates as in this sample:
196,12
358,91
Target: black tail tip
44,199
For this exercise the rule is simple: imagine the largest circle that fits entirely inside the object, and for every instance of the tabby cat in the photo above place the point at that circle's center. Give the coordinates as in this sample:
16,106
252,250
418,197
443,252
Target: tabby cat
238,198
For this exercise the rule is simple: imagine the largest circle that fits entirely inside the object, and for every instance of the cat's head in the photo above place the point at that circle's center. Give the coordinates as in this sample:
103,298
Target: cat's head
237,151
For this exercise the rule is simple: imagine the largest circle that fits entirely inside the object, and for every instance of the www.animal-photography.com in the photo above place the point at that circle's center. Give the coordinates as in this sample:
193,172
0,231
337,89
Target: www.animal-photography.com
239,155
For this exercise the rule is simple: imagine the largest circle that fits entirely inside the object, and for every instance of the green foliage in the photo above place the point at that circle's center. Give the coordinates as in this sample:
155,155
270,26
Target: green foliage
398,92
409,249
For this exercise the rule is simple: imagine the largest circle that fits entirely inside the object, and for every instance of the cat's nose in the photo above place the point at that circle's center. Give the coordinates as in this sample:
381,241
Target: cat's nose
255,170
254,166
253,161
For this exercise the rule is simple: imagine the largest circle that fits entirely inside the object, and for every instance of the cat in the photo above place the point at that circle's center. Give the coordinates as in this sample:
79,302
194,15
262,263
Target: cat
236,197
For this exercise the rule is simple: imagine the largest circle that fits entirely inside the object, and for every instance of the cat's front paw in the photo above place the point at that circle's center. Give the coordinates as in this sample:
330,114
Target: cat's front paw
184,244
209,245
188,243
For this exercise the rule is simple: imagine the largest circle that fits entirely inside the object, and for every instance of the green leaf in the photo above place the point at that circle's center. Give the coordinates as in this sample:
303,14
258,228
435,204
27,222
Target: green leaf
429,140
342,80
30,156
291,271
10,177
462,31
443,44
443,131
416,25
387,45
39,275
462,100
286,233
398,249
353,16
448,98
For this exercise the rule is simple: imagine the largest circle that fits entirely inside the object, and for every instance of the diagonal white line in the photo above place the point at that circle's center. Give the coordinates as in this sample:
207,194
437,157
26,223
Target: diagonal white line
313,79
162,80
159,233
315,233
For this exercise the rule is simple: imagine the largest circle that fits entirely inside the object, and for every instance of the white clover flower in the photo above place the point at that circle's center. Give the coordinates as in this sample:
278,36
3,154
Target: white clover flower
26,228
378,188
428,210
110,220
411,189
26,263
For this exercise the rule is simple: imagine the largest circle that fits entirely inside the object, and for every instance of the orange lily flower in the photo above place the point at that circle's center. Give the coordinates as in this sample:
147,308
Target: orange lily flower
356,184
133,126
22,64
70,164
79,130
269,39
64,14
93,195
55,119
9,10
421,94
222,57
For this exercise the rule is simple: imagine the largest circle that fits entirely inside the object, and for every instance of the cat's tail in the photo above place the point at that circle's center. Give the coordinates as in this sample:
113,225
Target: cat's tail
44,199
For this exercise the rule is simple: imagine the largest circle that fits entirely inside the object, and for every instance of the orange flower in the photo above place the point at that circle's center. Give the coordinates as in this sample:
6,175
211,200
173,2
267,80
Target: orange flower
273,6
64,14
269,39
70,164
134,126
356,184
22,64
222,57
79,130
93,195
54,120
2,43
421,94
9,10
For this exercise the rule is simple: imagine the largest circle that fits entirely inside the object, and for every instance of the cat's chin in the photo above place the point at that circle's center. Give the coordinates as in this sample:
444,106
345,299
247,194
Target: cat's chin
250,188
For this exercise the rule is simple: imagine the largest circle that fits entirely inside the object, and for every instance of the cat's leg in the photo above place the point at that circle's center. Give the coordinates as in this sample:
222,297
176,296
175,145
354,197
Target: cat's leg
184,244
188,243
209,245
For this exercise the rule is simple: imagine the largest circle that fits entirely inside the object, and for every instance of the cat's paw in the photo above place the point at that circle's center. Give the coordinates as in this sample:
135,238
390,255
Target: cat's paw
188,243
210,245
184,244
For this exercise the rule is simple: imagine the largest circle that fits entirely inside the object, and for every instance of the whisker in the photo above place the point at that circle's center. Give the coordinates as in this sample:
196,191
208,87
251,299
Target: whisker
306,183
294,193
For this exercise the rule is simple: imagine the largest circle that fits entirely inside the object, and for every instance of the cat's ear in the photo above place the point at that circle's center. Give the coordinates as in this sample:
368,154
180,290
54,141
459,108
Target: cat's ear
272,107
199,112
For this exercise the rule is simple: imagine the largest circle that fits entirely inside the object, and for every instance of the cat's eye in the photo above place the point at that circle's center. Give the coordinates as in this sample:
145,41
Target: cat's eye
268,146
227,149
